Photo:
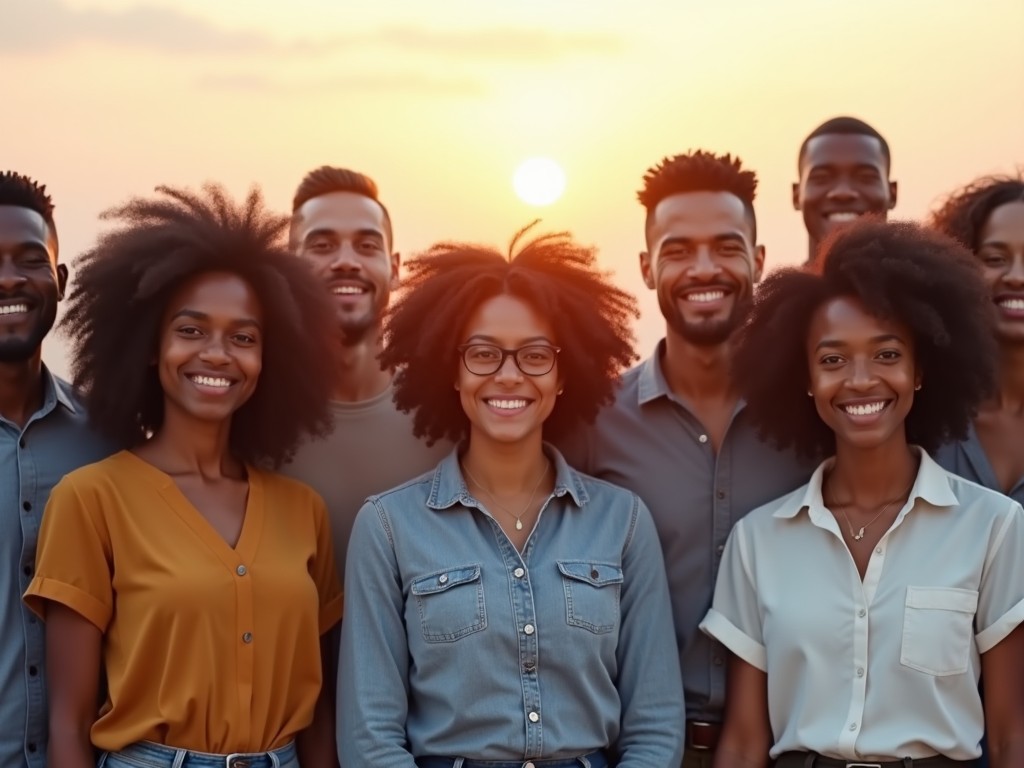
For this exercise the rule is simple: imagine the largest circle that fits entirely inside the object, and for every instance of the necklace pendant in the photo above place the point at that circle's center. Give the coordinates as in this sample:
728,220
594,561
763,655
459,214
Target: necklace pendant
859,535
519,524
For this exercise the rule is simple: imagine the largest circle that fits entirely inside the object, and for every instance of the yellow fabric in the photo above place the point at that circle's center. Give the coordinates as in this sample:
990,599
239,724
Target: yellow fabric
206,647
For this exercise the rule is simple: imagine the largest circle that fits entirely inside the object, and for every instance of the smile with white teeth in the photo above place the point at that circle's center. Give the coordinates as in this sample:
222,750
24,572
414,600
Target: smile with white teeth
348,290
211,381
843,216
507,404
867,409
704,297
13,309
1014,305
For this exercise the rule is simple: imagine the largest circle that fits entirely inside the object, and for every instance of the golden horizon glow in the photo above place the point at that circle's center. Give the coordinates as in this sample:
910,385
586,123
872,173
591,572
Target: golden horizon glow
539,181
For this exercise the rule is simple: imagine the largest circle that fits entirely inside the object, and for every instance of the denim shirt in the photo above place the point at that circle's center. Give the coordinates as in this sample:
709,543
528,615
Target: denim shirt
455,644
54,441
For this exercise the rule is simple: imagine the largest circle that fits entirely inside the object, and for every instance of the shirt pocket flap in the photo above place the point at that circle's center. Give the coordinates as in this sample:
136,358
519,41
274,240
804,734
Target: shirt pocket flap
943,599
442,580
595,574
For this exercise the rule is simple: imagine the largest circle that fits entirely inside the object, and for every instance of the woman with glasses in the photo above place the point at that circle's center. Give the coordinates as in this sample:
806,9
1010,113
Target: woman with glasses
505,610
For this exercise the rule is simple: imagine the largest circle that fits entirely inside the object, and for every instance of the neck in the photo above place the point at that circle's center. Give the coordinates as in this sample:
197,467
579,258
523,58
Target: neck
505,469
697,373
21,389
359,373
870,477
812,249
189,446
1009,394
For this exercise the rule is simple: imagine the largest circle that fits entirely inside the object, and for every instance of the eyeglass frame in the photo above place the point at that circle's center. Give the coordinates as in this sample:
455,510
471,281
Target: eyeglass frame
505,354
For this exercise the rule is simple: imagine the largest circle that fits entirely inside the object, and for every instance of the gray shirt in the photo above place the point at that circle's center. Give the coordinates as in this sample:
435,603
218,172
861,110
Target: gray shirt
650,442
55,441
968,459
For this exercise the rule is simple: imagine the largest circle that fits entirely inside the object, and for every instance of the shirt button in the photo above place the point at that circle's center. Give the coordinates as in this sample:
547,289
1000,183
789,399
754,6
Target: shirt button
27,506
860,671
33,670
442,579
720,548
529,765
31,746
240,570
594,574
21,443
27,570
703,438
528,629
534,717
717,661
853,726
519,573
878,550
720,494
247,637
862,613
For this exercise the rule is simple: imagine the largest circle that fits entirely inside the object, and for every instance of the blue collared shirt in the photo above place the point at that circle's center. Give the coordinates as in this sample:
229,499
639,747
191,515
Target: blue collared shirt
54,441
968,459
455,644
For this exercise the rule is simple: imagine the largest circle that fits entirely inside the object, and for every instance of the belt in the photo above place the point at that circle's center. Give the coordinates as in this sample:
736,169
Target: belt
701,735
146,754
597,759
812,760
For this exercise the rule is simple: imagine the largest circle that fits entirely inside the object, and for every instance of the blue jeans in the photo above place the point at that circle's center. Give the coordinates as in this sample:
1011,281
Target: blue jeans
145,754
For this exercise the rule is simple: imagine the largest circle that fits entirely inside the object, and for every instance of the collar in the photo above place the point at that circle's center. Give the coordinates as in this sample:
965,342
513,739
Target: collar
931,486
448,487
651,382
57,390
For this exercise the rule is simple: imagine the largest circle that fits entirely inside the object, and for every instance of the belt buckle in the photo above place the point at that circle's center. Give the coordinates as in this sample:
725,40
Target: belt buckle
697,725
238,760
863,765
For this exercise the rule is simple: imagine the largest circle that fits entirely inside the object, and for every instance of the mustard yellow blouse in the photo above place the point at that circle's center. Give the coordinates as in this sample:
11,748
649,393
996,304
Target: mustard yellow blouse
206,646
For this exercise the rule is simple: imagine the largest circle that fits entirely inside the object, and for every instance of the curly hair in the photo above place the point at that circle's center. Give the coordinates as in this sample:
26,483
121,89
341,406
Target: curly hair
844,125
902,272
964,213
554,275
699,171
124,283
23,192
327,179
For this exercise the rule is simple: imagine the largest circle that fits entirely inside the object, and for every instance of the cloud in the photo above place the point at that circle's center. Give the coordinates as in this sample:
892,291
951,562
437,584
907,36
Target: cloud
42,26
404,82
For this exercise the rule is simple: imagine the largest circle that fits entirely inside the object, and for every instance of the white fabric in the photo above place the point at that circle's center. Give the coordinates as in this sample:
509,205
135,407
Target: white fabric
885,668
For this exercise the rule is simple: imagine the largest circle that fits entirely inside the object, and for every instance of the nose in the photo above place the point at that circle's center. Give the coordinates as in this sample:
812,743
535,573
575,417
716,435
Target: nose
862,375
842,189
11,278
508,371
346,259
704,265
1015,273
214,352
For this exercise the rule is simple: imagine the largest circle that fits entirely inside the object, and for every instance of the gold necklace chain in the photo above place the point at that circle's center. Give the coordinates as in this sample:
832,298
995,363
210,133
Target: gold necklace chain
860,534
499,505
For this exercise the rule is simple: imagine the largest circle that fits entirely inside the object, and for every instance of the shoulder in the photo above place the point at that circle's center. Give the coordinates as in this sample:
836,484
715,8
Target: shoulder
978,499
414,490
775,512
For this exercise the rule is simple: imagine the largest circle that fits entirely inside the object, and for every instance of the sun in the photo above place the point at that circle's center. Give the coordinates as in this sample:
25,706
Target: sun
539,181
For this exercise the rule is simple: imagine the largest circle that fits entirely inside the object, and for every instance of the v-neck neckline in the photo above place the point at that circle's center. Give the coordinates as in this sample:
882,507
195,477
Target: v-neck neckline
252,522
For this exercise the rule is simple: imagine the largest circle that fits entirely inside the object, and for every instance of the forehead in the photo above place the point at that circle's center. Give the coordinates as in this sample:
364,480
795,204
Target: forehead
508,320
340,212
216,293
1005,224
845,319
844,150
23,225
699,216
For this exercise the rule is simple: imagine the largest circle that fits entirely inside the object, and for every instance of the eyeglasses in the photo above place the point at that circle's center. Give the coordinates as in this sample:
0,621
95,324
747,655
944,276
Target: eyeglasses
487,359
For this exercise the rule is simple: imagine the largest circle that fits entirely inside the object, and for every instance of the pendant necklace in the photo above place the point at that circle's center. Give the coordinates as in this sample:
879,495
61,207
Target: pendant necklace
499,505
860,534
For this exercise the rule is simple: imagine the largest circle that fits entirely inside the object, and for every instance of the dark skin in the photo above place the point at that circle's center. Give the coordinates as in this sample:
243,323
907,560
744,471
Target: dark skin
212,330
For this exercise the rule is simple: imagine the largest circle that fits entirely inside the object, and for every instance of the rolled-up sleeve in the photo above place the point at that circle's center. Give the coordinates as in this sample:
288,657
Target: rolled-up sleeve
1001,593
734,619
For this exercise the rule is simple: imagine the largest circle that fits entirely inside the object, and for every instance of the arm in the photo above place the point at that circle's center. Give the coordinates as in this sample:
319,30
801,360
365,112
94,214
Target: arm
315,745
73,649
649,682
1002,672
373,669
746,733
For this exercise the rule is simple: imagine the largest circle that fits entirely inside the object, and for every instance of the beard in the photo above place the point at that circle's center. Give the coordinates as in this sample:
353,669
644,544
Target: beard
706,333
19,349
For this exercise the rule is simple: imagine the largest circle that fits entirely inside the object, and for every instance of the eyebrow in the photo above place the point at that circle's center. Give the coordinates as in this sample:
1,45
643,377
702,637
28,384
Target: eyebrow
365,232
881,338
203,316
724,237
492,340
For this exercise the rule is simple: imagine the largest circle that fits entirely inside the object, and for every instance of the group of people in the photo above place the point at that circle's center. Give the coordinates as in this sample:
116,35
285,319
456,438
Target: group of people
289,522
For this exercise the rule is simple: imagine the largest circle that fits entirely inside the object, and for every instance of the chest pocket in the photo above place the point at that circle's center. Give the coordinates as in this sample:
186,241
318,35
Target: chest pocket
938,627
591,594
450,603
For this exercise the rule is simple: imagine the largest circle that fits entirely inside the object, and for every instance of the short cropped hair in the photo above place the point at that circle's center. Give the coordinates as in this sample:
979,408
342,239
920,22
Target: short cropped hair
590,317
24,192
121,292
964,213
327,179
844,125
698,171
899,271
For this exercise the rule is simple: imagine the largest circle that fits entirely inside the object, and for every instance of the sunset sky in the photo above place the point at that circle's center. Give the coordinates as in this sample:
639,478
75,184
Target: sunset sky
440,101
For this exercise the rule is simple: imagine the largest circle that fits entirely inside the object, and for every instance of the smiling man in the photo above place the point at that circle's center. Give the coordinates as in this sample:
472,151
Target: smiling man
43,436
341,229
677,433
844,174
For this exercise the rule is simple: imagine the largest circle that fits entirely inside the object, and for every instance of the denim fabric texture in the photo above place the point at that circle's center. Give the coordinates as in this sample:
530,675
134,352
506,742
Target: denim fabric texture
456,645
145,754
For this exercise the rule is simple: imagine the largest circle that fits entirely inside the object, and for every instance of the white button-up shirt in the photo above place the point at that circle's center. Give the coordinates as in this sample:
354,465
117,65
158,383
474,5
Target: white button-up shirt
887,667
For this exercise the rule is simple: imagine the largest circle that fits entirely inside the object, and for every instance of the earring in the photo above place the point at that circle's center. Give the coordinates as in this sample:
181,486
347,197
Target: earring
560,391
809,393
917,388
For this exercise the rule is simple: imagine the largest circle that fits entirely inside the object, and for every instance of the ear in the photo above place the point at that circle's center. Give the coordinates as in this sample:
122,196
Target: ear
796,195
892,195
62,280
396,266
647,269
758,265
